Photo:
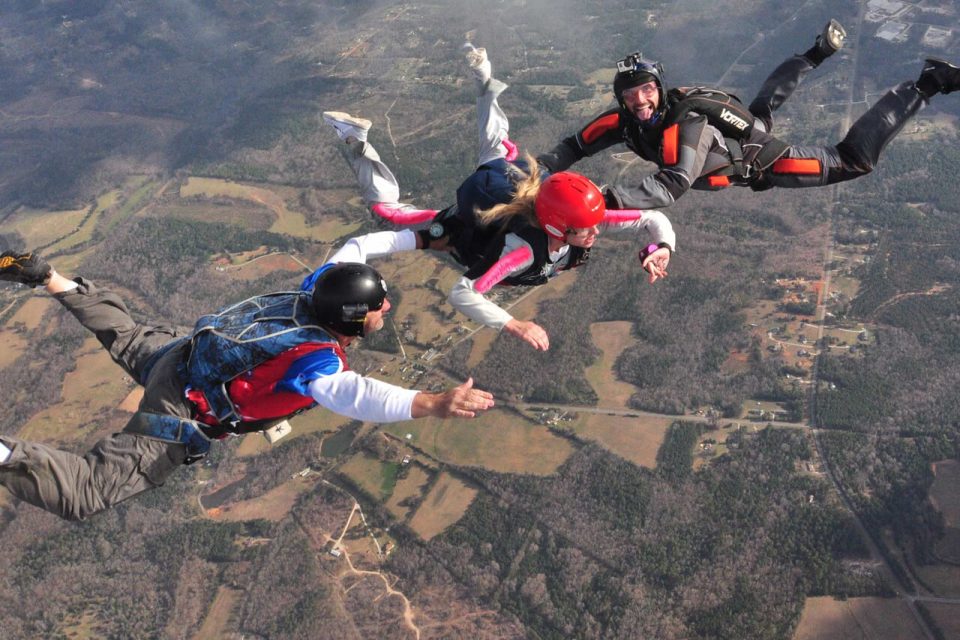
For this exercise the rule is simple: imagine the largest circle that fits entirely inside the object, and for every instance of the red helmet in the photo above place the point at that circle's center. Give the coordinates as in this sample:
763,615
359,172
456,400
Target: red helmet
567,200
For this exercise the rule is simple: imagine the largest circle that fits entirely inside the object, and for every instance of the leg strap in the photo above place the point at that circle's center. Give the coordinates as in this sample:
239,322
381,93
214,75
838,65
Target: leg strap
171,429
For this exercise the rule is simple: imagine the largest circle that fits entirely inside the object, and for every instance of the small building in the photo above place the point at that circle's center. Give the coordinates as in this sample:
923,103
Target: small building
335,552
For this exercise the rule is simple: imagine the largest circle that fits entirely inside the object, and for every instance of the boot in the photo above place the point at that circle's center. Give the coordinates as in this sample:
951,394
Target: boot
478,62
828,43
348,127
938,76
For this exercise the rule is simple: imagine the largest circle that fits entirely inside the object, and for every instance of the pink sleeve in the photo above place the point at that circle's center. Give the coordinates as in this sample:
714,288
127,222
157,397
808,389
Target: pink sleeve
403,214
503,268
622,216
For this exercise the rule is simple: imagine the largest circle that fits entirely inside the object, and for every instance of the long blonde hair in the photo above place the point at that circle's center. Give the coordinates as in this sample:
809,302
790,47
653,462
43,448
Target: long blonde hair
525,194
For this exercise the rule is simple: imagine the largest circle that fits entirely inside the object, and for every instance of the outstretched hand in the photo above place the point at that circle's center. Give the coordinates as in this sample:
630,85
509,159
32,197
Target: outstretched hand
462,401
530,332
656,264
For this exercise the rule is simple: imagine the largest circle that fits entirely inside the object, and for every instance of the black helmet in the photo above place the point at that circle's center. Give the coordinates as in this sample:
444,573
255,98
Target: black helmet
633,71
344,293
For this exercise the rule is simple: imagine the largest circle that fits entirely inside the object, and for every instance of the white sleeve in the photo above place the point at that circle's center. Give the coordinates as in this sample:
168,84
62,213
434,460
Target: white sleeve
374,245
467,299
655,222
361,398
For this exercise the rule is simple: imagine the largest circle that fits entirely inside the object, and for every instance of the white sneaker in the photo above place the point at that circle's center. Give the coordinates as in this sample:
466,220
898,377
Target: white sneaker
479,64
348,127
831,39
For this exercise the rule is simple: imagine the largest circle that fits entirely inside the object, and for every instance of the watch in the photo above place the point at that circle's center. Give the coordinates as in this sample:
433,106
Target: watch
436,230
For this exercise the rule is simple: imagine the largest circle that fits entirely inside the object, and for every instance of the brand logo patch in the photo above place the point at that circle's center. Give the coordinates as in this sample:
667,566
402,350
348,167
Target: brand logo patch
734,119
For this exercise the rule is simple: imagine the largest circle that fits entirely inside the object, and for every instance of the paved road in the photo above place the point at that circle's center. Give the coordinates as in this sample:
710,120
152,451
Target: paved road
634,413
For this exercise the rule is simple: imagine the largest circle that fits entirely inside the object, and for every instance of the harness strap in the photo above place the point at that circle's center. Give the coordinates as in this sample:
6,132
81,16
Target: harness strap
740,168
171,429
155,358
771,151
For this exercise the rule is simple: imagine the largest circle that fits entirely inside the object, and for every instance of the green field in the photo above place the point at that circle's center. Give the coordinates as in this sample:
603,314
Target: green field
376,477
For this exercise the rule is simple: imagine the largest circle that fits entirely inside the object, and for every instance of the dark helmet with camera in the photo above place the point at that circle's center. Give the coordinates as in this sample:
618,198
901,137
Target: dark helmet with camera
634,71
345,293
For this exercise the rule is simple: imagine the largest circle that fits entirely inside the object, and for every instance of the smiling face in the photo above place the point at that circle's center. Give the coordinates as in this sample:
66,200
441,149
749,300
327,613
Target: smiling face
642,101
583,238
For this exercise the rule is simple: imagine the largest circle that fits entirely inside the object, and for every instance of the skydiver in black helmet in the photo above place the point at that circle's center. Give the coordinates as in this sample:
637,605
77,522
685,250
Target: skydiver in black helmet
246,368
706,142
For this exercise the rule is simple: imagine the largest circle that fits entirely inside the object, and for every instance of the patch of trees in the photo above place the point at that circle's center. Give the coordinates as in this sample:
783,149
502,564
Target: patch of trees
166,260
604,548
675,456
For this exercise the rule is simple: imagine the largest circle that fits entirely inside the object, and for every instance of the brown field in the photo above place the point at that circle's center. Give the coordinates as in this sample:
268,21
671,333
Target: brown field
82,626
412,485
943,579
259,267
945,491
31,312
497,440
947,617
273,505
945,497
329,229
215,624
96,384
252,217
132,401
612,338
633,439
856,619
317,419
947,548
12,346
418,304
273,198
446,503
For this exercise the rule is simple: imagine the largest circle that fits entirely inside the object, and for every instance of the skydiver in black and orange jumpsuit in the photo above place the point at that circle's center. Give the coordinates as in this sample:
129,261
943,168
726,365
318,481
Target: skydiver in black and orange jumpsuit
691,153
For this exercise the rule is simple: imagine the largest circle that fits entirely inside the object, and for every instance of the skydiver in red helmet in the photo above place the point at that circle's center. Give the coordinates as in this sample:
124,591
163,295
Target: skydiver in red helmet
514,223
702,139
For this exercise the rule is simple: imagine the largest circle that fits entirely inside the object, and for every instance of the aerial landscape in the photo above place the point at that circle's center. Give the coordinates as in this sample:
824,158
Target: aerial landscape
764,444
